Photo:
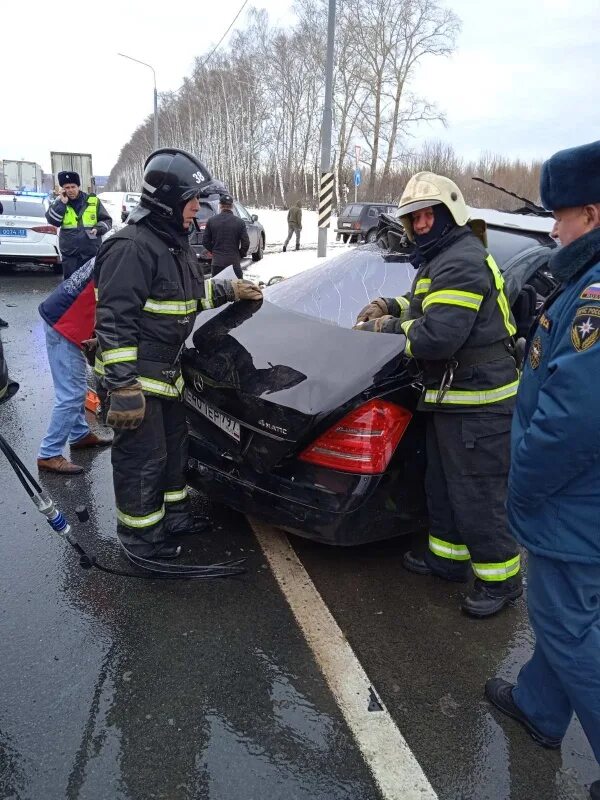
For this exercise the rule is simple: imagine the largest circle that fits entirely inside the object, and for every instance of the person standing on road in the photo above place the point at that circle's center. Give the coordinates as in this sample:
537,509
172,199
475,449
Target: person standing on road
149,291
554,484
459,327
82,220
294,220
68,315
226,238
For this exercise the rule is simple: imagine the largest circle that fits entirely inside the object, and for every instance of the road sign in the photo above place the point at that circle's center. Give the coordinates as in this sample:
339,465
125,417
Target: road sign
357,177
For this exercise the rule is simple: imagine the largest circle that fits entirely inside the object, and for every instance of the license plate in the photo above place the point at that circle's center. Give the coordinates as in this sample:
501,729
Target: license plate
346,224
18,232
222,421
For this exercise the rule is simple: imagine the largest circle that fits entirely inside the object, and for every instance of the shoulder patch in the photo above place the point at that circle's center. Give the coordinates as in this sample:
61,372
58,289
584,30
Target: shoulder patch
591,293
545,322
585,329
535,353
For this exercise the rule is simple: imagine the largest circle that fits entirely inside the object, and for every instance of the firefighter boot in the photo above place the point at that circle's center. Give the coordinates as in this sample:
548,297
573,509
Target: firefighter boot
419,566
486,599
499,693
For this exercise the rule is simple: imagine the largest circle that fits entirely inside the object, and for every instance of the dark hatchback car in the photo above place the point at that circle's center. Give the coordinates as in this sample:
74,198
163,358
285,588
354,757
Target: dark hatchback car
209,206
300,420
358,221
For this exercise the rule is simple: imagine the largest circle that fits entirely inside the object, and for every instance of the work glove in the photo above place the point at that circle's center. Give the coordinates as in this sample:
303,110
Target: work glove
387,324
89,347
245,290
377,308
127,408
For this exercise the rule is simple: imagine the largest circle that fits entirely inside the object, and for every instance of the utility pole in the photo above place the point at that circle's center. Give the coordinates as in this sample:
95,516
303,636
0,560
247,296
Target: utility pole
137,61
326,187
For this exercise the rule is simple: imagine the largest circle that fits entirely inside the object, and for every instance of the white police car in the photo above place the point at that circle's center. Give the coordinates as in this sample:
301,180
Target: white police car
25,236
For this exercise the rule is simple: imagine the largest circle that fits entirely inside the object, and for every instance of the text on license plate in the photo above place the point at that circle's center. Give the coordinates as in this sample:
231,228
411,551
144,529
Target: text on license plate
20,232
222,421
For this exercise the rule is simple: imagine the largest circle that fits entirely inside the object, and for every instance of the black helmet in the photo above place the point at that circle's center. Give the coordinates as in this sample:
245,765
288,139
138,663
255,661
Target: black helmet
171,178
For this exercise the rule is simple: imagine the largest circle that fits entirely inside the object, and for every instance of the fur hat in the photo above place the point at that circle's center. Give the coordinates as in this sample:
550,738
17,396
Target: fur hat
68,177
571,177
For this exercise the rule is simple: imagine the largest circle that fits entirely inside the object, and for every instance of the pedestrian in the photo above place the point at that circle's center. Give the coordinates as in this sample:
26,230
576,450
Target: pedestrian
82,220
554,485
68,315
149,291
294,220
226,238
459,327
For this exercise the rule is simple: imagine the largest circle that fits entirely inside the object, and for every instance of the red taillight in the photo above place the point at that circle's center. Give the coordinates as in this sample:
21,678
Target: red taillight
202,226
44,229
356,226
363,441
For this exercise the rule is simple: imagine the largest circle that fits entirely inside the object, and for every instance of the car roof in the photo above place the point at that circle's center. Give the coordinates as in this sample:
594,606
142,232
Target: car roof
508,220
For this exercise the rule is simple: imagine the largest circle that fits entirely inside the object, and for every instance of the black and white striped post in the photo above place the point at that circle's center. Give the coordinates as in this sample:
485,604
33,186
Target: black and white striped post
326,187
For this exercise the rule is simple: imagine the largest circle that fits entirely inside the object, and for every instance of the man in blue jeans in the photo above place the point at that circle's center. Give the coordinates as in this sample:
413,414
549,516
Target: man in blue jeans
69,315
554,483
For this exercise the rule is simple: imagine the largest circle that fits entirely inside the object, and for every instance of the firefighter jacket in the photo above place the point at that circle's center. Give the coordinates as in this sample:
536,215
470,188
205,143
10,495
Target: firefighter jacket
149,292
554,483
459,326
75,220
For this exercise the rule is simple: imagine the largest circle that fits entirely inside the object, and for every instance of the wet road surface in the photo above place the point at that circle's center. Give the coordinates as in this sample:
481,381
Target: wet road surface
122,688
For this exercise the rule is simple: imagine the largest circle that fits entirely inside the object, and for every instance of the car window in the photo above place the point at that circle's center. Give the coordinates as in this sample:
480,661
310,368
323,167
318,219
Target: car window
132,198
336,291
374,212
351,211
243,212
504,245
24,208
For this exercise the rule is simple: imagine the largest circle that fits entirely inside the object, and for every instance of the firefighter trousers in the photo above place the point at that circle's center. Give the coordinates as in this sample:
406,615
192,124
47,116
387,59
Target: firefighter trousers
149,478
468,458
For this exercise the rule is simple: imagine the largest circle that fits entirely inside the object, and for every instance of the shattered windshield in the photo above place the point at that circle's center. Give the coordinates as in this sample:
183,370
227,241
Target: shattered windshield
336,291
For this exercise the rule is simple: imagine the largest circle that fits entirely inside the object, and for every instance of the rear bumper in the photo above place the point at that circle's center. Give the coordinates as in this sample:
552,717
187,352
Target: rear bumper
29,251
364,509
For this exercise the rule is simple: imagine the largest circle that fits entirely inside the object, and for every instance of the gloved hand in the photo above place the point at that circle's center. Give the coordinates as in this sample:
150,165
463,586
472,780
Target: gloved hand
376,308
374,325
89,347
127,408
245,290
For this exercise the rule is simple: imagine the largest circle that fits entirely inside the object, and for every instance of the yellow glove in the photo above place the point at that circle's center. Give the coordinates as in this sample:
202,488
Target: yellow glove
376,308
245,290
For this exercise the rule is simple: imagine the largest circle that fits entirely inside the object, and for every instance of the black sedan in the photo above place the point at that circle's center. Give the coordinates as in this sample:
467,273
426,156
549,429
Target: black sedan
300,420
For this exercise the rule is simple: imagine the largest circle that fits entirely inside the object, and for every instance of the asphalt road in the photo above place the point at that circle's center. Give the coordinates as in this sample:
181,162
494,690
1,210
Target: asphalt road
128,689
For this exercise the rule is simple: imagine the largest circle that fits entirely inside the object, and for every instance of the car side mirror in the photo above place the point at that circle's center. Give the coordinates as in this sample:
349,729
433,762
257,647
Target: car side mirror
254,217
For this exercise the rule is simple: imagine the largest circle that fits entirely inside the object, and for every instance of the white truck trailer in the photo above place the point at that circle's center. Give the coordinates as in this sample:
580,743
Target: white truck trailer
21,175
77,162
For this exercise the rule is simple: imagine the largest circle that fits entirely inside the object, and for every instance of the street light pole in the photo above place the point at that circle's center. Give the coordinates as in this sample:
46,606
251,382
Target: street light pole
137,61
327,116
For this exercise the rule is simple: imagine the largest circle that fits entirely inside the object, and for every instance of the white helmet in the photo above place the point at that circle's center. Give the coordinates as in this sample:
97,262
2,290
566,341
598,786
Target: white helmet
427,189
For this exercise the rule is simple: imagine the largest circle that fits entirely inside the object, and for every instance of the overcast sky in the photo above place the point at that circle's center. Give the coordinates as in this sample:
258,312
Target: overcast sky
524,81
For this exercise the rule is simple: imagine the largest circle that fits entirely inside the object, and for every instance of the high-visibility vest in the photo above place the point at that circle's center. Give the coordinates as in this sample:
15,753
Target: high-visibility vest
88,217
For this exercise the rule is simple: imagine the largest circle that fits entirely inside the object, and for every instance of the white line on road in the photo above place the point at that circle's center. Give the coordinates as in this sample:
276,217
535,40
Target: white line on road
393,765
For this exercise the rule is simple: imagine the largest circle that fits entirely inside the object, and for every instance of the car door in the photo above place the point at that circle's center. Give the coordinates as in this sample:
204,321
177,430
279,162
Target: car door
251,226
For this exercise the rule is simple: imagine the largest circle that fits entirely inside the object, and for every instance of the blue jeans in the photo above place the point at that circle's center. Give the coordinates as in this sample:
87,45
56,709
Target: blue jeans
67,365
563,675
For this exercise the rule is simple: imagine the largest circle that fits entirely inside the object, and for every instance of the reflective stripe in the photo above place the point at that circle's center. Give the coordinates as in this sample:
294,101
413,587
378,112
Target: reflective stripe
55,216
119,355
96,293
498,572
403,302
454,297
88,218
99,366
422,286
3,390
475,397
162,388
451,550
208,300
176,497
502,299
406,327
173,307
141,522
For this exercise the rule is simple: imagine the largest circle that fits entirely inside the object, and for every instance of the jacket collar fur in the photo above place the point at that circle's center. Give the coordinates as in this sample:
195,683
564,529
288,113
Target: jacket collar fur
567,262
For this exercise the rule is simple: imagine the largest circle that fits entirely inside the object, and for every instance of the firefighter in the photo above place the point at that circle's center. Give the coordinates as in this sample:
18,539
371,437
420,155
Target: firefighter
82,220
149,291
458,325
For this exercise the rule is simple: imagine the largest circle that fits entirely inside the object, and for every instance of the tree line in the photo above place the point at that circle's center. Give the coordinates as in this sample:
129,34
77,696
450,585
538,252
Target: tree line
253,112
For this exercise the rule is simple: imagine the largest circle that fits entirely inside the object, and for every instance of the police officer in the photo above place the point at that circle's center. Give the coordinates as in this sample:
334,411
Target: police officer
82,220
554,485
149,291
458,325
226,237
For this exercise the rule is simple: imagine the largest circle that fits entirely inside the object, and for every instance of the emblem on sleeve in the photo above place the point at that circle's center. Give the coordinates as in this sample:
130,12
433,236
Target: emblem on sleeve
535,353
591,293
585,329
545,322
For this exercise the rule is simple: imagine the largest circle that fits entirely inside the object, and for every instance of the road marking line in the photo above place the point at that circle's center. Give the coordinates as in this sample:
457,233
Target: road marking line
396,771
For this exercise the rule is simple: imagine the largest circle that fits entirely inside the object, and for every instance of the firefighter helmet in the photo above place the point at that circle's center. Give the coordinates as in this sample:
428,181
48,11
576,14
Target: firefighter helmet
171,178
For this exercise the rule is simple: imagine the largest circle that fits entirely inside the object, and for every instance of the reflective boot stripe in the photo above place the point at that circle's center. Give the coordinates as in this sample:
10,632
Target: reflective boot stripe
472,397
454,297
141,522
176,496
451,550
119,355
499,571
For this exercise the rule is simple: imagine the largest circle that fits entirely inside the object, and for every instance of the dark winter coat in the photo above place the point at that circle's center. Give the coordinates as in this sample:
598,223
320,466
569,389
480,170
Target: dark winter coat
71,308
226,237
294,217
75,243
554,483
149,291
